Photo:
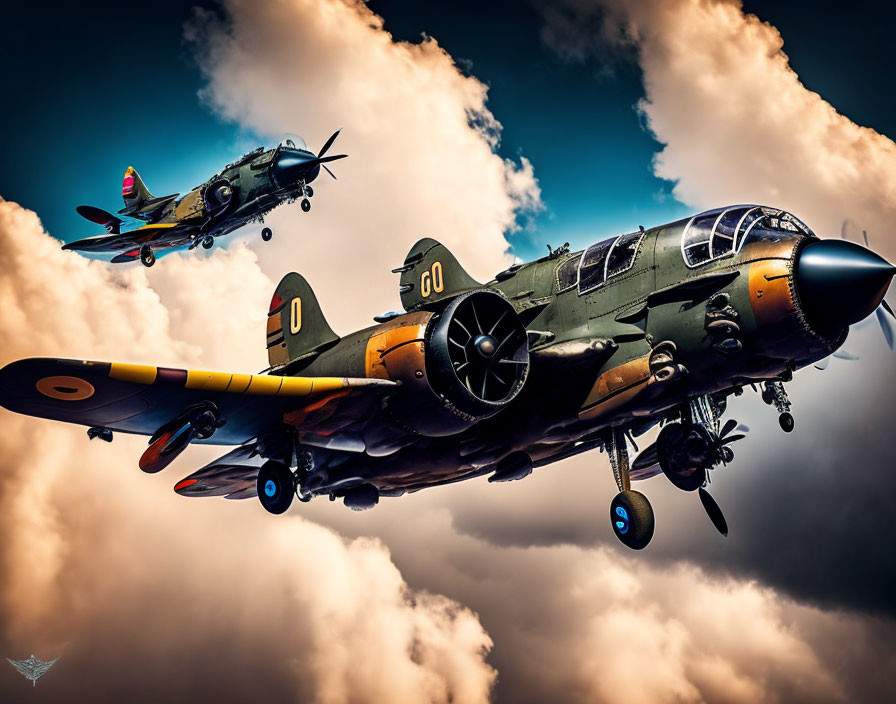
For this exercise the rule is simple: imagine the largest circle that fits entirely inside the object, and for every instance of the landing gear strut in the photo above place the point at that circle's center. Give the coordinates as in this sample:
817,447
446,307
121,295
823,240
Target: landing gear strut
630,512
147,256
774,394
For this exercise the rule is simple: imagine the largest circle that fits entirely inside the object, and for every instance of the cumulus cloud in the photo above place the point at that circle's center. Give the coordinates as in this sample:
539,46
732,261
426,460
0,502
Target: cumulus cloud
418,133
155,597
736,123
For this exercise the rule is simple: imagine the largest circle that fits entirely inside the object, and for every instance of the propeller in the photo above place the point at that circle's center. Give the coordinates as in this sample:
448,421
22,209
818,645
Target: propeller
485,342
850,231
322,160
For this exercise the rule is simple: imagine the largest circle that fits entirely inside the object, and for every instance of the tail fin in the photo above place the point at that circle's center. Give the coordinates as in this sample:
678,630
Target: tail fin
430,274
297,328
133,190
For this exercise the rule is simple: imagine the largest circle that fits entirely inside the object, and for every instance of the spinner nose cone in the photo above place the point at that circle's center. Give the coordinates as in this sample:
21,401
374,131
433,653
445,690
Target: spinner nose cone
291,165
840,283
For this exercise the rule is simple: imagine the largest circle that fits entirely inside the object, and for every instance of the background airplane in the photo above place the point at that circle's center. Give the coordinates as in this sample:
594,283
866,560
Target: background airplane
552,358
243,192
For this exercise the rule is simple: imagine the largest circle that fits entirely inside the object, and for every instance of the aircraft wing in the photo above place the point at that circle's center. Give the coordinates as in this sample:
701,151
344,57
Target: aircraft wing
171,233
135,398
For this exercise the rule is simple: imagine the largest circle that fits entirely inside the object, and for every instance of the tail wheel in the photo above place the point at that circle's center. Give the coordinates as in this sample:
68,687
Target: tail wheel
306,205
679,449
276,485
632,519
266,234
147,256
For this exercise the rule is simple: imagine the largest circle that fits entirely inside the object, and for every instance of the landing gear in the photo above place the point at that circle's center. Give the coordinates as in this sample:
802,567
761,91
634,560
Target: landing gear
208,242
275,485
309,191
147,256
774,394
306,205
630,513
266,234
632,519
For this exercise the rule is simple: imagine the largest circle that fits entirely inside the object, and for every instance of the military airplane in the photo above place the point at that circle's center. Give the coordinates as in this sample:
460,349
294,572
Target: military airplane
573,352
243,192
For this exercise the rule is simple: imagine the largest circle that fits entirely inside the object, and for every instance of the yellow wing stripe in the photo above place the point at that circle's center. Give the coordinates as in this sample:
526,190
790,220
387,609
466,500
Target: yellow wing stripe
256,384
135,373
157,226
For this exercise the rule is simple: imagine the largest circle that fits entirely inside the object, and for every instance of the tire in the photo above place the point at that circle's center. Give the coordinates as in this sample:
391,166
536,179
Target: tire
306,205
785,420
631,517
266,234
208,243
670,453
309,191
275,486
147,256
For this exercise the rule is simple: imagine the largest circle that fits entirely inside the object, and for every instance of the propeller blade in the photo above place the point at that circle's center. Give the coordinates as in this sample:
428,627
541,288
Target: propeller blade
845,354
865,236
713,511
329,142
730,425
328,159
886,307
329,172
731,439
647,458
885,325
822,364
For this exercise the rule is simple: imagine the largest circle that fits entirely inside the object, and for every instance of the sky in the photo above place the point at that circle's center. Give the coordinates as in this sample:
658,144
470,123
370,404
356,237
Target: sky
610,114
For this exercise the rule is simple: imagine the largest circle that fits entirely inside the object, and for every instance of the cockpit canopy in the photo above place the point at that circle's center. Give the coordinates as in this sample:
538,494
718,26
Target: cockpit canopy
599,262
293,141
722,232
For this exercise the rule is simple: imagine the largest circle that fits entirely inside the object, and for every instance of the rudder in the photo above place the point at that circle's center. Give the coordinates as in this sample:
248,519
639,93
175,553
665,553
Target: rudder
431,273
297,328
133,190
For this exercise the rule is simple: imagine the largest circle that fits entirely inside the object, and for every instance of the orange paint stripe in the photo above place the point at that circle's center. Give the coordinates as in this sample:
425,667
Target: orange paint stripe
184,483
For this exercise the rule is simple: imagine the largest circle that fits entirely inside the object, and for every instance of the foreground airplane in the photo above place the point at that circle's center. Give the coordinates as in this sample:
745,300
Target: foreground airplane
243,192
552,358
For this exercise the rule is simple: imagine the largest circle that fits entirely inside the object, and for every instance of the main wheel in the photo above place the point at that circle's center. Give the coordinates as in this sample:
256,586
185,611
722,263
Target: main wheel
208,242
679,447
306,205
266,234
147,256
632,519
785,420
309,191
276,486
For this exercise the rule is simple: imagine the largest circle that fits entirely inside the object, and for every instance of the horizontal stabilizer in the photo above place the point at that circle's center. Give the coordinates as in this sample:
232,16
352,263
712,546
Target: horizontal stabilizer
100,217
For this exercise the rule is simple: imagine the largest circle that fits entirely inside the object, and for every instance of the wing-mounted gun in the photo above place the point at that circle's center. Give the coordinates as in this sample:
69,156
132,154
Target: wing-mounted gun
198,421
431,274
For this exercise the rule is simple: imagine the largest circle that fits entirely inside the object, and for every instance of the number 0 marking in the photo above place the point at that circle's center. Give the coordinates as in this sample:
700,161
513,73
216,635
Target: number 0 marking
295,315
432,280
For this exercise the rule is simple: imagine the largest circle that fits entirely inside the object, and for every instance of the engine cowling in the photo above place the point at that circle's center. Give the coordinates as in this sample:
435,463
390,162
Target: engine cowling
457,367
477,354
217,196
